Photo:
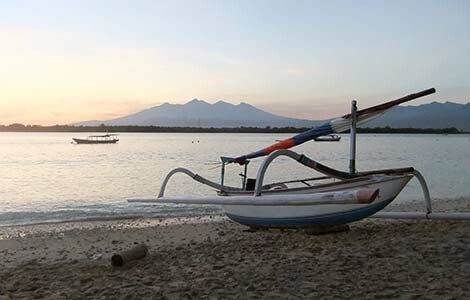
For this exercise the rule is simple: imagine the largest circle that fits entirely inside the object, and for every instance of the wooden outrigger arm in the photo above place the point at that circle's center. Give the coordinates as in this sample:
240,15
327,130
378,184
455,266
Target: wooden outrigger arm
358,196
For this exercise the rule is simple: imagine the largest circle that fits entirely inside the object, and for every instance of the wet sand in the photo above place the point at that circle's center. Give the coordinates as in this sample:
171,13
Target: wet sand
214,258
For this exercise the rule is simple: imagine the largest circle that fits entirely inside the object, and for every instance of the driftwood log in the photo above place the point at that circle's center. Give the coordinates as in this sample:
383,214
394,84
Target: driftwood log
124,257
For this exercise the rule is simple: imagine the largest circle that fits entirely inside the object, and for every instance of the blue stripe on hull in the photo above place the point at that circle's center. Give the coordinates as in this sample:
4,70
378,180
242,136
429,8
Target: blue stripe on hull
323,220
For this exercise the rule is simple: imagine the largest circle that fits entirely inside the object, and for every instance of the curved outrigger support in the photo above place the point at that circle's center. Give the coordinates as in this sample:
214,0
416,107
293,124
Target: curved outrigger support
197,178
429,214
425,189
304,160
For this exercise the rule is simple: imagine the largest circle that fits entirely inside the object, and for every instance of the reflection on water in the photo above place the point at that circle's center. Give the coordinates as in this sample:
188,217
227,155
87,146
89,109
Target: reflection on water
46,178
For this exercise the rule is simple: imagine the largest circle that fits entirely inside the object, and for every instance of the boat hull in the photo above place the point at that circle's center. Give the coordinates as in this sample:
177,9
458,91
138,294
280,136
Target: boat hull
85,141
320,215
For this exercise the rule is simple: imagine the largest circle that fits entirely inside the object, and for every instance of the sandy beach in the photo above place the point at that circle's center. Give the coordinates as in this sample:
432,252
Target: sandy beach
214,258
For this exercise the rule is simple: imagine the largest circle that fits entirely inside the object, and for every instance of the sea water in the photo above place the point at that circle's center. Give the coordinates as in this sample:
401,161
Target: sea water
46,178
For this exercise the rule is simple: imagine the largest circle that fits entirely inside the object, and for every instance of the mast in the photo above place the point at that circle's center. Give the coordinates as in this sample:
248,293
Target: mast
352,143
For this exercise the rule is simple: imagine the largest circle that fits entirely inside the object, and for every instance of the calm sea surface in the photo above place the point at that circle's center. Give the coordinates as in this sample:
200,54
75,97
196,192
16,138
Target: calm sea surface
44,178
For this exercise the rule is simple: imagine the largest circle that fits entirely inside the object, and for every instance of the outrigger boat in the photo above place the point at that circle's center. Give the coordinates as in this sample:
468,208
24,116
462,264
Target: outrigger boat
328,138
98,139
335,198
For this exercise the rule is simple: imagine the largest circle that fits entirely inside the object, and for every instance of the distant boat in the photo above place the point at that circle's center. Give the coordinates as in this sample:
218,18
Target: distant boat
98,139
328,138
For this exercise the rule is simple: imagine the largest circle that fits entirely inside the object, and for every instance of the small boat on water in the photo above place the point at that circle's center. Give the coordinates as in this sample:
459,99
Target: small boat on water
98,139
328,138
334,198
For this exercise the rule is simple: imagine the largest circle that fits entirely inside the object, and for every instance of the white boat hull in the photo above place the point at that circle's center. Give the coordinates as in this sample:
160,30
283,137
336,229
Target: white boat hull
324,215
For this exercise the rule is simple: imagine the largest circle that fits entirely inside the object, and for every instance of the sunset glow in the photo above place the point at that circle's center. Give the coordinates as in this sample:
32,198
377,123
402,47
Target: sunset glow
64,62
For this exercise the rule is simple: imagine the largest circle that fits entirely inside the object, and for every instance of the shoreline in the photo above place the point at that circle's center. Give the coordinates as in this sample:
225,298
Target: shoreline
225,130
442,205
413,204
212,257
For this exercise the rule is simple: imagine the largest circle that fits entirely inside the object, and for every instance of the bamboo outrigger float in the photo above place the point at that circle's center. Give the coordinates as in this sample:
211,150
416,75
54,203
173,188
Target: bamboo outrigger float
335,198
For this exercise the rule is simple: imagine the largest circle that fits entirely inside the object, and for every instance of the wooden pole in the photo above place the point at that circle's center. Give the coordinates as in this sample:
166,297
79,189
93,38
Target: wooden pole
456,216
352,143
393,102
361,196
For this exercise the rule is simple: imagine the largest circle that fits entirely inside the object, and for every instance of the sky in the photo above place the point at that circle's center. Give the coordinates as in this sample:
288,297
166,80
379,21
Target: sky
68,61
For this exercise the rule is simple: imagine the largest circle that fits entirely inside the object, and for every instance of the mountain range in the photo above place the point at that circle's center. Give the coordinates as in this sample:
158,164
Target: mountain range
431,115
198,113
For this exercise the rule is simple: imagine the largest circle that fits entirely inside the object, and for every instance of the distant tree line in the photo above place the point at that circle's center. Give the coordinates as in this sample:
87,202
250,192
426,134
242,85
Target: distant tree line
104,128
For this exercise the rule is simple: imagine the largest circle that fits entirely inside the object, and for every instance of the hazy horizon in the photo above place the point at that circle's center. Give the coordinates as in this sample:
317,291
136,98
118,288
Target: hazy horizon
65,62
83,122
